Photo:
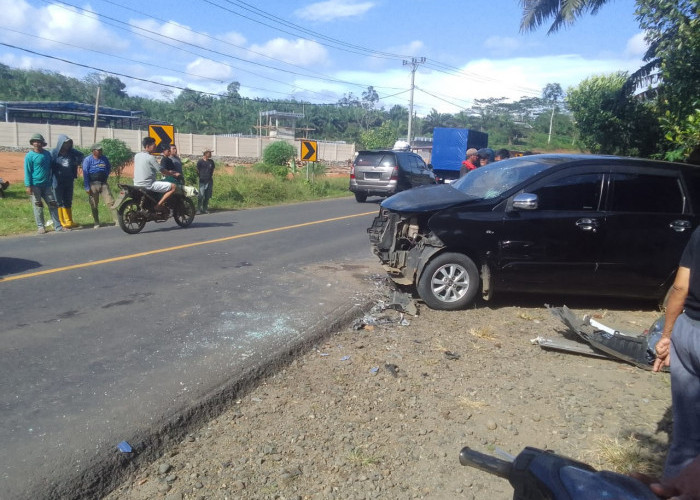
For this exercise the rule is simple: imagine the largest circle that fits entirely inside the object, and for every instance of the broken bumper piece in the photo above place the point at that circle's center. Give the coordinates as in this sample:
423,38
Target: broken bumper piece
602,341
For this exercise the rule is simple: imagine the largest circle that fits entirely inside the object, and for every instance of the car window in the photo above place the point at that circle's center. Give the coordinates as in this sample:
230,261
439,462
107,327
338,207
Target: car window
375,160
634,192
495,179
572,192
693,182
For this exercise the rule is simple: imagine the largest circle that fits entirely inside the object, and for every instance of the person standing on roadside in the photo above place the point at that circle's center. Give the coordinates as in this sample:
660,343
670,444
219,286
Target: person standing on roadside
205,171
38,181
486,156
470,163
96,170
679,348
65,162
502,154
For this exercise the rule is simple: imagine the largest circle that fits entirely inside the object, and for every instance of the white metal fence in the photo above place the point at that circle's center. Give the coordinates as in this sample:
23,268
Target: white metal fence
13,134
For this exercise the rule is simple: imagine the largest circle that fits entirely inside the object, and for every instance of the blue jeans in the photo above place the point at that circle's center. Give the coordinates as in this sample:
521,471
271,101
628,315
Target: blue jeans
44,193
205,189
685,395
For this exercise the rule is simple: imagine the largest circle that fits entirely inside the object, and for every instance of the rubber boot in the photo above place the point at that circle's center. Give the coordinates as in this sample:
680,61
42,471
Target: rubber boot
61,217
68,217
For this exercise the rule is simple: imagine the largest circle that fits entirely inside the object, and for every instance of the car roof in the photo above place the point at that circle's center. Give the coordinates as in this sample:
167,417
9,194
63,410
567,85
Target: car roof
554,159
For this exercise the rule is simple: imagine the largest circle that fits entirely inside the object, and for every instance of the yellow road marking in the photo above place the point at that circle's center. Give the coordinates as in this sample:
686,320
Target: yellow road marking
178,247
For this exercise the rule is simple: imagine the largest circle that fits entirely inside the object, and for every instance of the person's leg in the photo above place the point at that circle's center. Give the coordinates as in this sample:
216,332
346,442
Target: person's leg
685,395
207,196
167,195
48,196
94,198
200,196
38,208
108,199
68,206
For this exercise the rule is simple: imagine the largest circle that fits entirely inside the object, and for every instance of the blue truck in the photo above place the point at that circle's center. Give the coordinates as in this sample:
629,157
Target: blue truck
450,148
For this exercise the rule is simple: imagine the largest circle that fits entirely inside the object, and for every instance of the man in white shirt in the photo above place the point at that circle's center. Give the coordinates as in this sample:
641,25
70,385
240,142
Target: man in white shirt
145,169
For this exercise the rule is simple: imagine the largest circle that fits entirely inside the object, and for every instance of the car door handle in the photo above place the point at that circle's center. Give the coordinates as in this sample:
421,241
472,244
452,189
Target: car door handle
587,224
680,225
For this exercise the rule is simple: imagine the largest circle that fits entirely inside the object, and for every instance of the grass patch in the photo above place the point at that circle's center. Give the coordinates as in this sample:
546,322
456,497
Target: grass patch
623,456
243,188
360,457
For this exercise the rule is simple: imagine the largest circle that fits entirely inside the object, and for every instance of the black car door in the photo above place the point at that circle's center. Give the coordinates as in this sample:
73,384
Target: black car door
556,246
648,223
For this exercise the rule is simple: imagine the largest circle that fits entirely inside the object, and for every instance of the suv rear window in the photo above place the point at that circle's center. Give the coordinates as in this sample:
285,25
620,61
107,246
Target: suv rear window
375,160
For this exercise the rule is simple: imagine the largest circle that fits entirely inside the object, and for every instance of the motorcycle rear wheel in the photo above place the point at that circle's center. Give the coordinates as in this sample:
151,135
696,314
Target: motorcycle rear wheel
130,218
184,212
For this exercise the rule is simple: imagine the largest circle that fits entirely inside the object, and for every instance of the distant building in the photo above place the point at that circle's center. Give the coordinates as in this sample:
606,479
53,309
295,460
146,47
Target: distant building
279,124
71,113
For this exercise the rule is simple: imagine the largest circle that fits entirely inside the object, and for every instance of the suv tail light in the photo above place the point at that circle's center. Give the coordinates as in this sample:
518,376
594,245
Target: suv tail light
352,171
395,173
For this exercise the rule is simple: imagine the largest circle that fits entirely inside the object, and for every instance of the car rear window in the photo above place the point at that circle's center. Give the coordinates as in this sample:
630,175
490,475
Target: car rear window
375,160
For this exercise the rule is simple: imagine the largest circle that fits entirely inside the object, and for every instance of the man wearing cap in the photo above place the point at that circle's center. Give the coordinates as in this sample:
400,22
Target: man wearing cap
38,181
205,171
146,168
470,163
96,170
65,162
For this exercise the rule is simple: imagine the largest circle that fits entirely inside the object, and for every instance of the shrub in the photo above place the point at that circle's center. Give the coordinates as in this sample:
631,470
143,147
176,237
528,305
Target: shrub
118,154
267,168
279,153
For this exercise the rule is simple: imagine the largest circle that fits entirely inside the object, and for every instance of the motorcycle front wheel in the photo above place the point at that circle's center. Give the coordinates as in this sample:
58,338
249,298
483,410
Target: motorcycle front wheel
184,212
130,218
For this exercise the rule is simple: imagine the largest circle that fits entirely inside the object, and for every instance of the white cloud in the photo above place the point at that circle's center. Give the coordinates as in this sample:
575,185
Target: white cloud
168,30
57,23
502,44
331,10
209,69
299,52
636,46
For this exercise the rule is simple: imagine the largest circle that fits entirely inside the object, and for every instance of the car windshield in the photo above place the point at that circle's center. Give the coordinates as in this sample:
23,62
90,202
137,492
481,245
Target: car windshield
495,179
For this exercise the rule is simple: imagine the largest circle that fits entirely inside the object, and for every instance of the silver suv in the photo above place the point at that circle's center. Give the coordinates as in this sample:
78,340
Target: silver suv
385,172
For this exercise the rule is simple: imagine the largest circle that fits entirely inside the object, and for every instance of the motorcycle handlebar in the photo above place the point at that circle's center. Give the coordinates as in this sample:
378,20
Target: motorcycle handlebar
486,463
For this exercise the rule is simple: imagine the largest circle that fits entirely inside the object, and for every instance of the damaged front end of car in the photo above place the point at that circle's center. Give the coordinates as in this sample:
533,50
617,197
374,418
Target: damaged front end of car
403,243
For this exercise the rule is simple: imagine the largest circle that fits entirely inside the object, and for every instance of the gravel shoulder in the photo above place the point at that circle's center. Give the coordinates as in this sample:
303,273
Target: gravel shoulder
383,411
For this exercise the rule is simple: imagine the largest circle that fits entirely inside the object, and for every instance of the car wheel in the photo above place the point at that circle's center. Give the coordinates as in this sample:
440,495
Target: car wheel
361,197
449,282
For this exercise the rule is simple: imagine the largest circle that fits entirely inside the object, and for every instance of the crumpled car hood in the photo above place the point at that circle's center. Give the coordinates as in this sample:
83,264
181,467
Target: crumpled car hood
425,199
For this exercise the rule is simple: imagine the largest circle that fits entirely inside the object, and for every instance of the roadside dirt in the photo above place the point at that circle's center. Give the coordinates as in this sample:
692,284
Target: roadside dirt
383,411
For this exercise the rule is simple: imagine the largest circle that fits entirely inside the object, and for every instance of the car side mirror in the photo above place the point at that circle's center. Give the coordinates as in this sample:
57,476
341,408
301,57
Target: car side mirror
525,201
430,166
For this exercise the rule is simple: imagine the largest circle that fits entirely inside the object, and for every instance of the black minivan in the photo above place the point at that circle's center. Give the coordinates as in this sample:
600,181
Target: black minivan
386,172
578,224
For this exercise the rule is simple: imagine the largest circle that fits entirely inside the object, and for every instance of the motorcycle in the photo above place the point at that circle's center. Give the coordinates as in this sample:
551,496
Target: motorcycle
135,206
542,475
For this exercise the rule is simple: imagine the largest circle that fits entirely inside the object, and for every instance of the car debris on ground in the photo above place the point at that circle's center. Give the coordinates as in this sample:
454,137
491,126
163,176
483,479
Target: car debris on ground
593,338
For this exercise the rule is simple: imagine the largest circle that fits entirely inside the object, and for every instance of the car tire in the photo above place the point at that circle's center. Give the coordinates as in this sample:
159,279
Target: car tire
361,197
449,282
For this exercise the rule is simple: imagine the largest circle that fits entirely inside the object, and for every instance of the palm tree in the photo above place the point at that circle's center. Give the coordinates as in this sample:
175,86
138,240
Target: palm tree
565,12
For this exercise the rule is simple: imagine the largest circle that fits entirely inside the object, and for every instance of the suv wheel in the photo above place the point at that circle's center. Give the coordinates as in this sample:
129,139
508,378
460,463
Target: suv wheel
361,197
449,282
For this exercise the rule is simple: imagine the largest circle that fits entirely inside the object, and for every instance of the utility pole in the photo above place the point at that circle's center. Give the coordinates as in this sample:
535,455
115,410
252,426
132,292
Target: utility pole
414,62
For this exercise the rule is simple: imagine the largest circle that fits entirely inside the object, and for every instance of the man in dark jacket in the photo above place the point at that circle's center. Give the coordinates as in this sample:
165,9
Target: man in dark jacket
65,160
205,171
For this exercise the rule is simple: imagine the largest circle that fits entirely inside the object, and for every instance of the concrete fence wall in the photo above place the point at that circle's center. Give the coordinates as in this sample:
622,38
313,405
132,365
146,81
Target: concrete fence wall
13,134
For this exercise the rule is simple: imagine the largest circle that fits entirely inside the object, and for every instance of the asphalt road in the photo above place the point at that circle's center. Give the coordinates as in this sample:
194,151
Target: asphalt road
108,337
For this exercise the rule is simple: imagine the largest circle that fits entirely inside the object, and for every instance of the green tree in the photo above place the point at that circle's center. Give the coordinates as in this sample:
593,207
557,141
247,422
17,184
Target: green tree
552,93
610,121
379,138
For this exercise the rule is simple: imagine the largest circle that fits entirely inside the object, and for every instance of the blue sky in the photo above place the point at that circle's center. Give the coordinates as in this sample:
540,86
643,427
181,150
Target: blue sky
320,51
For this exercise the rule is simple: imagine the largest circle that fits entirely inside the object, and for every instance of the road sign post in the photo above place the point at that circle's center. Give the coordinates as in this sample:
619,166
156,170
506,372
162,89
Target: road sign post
309,150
